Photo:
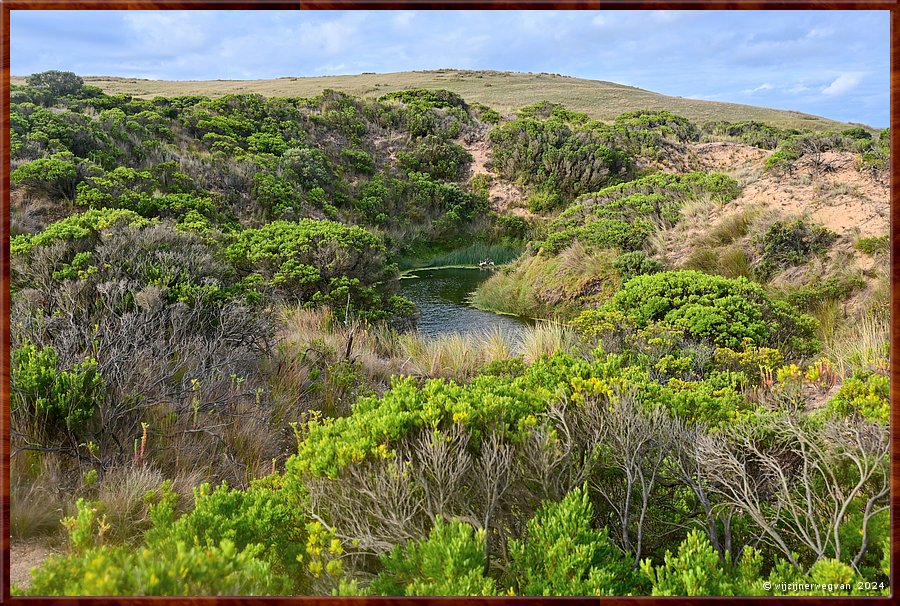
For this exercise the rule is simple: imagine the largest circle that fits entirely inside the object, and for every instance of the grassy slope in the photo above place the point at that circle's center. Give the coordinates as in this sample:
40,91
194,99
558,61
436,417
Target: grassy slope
501,90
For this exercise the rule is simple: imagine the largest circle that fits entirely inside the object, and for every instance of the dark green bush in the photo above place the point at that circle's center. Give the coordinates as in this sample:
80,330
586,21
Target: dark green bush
786,244
442,160
634,264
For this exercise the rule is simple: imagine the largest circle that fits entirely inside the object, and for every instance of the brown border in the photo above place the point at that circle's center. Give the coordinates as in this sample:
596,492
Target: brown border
7,5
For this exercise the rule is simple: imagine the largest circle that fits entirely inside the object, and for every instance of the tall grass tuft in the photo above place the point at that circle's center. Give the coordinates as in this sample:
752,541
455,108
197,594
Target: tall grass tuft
475,253
861,344
547,338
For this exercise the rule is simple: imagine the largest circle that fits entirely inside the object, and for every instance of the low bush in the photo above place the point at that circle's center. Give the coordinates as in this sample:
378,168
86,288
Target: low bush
872,245
791,243
717,310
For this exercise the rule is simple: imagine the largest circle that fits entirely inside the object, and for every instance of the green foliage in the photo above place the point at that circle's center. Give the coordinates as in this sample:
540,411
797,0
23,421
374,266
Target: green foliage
442,160
791,243
506,367
277,196
513,226
488,401
625,215
563,555
420,97
359,161
261,517
450,562
78,226
781,161
233,542
485,113
163,567
56,176
311,167
872,245
573,161
721,311
832,289
634,264
858,133
663,123
56,83
695,570
751,132
58,400
318,262
865,393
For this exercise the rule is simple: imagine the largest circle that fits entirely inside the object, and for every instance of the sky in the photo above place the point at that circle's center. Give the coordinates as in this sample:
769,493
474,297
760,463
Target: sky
830,63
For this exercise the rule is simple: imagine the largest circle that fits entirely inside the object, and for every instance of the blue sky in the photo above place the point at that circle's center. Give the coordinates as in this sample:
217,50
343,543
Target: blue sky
830,63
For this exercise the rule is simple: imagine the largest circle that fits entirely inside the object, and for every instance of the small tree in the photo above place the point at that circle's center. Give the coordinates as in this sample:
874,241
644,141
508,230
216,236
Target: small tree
55,82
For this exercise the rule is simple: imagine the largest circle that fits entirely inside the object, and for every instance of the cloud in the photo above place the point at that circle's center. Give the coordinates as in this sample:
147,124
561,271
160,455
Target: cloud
761,87
843,84
169,33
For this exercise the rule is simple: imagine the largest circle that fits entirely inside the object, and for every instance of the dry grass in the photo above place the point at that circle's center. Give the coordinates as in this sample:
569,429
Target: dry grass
860,344
378,354
503,91
120,494
546,338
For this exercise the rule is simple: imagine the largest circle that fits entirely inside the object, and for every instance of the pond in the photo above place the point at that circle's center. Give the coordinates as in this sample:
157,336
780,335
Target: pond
442,297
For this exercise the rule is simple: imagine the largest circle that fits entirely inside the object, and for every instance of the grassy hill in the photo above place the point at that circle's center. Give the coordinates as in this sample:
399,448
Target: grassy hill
501,90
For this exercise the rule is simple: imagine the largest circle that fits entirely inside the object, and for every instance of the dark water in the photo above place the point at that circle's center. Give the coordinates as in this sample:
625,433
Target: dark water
442,295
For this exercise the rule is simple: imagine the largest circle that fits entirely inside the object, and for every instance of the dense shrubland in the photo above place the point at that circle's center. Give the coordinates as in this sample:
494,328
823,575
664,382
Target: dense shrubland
215,388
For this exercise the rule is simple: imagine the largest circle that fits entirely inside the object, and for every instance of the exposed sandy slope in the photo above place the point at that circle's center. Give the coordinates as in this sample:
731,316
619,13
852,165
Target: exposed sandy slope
23,556
836,195
505,197
831,192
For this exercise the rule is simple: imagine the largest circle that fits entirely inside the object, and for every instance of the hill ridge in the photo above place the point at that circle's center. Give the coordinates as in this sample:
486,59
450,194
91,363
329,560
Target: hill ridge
502,90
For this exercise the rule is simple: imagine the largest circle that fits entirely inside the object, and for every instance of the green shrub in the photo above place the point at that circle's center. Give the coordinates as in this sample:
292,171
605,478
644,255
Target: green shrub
163,567
56,176
56,83
58,401
634,264
781,162
662,122
359,160
625,215
264,516
752,133
719,310
832,289
450,562
562,555
791,243
425,98
865,393
574,159
872,245
75,227
695,570
378,423
442,160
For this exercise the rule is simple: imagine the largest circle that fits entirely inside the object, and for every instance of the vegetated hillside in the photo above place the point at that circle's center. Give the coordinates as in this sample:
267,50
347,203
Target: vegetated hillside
214,379
504,91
